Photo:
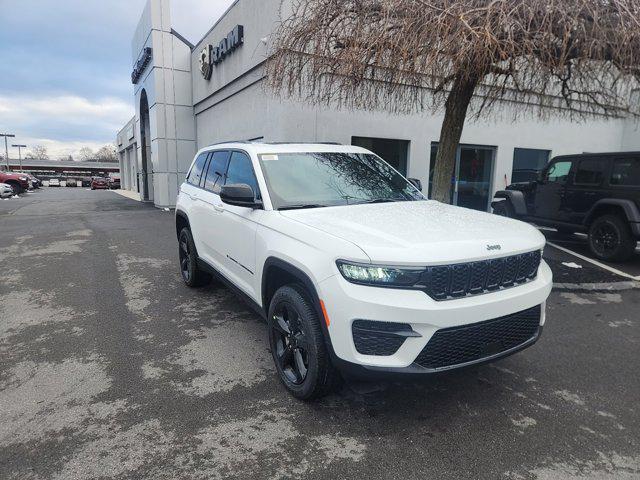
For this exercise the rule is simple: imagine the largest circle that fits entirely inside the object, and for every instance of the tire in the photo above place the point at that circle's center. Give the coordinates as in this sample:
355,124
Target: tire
17,189
610,239
297,345
192,275
504,209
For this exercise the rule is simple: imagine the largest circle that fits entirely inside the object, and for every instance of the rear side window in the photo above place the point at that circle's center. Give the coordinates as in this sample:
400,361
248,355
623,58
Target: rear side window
590,172
196,171
241,171
626,172
215,173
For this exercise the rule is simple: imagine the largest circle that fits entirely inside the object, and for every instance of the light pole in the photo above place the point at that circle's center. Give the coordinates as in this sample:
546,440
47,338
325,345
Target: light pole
20,147
6,147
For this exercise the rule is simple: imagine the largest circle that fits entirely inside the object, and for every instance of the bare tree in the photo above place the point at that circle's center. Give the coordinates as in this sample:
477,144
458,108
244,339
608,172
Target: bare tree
107,154
551,57
85,154
38,152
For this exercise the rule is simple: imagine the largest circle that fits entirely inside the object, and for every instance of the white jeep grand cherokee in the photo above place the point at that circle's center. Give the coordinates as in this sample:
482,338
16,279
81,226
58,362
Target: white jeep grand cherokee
353,268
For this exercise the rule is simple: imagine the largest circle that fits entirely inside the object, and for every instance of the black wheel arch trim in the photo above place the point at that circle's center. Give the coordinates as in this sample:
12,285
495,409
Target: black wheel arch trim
182,214
629,208
516,198
309,286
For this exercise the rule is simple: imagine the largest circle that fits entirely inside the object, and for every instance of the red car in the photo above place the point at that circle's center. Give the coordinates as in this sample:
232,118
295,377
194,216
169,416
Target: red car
18,181
98,183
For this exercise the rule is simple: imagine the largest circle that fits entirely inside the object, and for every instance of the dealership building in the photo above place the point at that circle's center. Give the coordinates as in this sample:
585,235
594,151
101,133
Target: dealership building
190,96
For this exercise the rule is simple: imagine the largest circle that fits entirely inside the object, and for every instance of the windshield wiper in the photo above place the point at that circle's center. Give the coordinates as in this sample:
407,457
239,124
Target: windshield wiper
380,200
302,206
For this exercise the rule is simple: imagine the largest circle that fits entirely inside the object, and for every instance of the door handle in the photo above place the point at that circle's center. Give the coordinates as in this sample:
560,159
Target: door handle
218,207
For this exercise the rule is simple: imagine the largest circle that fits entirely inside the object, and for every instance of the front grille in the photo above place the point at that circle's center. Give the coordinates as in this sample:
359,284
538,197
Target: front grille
445,282
379,338
469,343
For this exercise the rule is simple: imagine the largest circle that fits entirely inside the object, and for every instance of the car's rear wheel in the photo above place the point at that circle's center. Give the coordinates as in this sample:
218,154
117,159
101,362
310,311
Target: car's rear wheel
610,239
192,275
297,345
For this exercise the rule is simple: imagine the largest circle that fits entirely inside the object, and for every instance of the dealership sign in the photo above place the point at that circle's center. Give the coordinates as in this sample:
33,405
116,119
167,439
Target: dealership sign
210,55
141,64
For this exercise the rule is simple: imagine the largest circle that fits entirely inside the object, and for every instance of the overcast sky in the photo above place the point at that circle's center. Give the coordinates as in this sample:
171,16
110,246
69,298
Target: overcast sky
65,67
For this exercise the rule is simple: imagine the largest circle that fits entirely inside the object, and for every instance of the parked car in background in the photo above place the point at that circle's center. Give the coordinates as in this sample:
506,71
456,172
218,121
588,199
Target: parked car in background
598,194
99,183
114,183
54,182
353,268
35,182
19,182
6,190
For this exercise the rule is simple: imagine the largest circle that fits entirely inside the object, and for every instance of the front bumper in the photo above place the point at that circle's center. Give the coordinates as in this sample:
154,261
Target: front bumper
346,302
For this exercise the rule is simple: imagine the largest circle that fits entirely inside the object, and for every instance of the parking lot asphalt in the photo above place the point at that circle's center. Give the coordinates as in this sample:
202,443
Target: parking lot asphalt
111,368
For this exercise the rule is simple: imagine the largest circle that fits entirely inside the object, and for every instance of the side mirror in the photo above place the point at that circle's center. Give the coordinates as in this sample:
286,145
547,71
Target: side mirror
240,195
416,183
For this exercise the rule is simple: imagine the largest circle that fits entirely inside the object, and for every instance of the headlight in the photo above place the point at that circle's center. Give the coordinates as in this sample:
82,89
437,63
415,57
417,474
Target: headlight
380,275
24,179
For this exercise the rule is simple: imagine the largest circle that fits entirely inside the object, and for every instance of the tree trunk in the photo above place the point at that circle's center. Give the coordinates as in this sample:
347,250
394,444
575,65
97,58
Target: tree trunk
455,113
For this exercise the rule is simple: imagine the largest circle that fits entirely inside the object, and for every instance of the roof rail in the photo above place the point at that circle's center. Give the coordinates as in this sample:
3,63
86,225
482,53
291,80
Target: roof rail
273,143
228,141
302,143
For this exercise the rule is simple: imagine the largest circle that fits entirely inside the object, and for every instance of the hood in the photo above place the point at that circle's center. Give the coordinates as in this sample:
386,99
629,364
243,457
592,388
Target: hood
423,232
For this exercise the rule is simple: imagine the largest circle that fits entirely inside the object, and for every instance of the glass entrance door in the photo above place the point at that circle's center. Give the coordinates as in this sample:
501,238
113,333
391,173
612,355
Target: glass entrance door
472,183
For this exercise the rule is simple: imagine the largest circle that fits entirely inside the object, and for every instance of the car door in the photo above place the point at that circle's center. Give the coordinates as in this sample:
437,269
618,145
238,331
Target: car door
585,187
239,225
213,250
551,191
190,189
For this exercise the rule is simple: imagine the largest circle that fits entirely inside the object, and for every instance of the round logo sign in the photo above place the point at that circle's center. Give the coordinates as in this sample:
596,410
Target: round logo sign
205,62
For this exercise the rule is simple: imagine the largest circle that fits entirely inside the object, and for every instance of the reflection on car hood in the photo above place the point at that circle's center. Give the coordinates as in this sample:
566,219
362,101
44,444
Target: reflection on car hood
423,232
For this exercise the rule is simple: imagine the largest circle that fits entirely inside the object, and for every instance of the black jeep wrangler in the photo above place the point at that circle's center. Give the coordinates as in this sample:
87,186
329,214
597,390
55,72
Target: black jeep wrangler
594,193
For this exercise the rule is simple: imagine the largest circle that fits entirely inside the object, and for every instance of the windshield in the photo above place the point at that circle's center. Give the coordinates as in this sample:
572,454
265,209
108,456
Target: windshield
303,180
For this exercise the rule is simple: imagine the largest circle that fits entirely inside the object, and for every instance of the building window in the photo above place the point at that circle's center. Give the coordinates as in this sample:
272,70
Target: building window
527,164
394,152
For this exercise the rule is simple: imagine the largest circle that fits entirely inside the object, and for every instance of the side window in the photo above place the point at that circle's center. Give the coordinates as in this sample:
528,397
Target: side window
590,172
215,173
559,172
196,171
626,172
241,171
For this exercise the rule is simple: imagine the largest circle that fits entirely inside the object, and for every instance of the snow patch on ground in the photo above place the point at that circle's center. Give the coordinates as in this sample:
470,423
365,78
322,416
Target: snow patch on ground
43,399
230,355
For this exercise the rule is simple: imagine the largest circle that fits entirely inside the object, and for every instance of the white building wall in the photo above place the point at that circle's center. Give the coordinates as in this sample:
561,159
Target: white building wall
167,83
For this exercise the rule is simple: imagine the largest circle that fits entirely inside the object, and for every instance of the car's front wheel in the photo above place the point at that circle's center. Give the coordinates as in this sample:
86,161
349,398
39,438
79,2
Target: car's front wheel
297,345
192,275
610,239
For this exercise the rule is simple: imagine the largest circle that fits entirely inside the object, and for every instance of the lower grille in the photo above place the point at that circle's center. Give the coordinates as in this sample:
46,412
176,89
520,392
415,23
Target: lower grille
469,343
379,338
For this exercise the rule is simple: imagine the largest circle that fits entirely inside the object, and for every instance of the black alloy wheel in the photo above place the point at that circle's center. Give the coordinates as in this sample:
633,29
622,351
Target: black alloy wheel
610,238
298,346
605,239
185,259
191,273
291,344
